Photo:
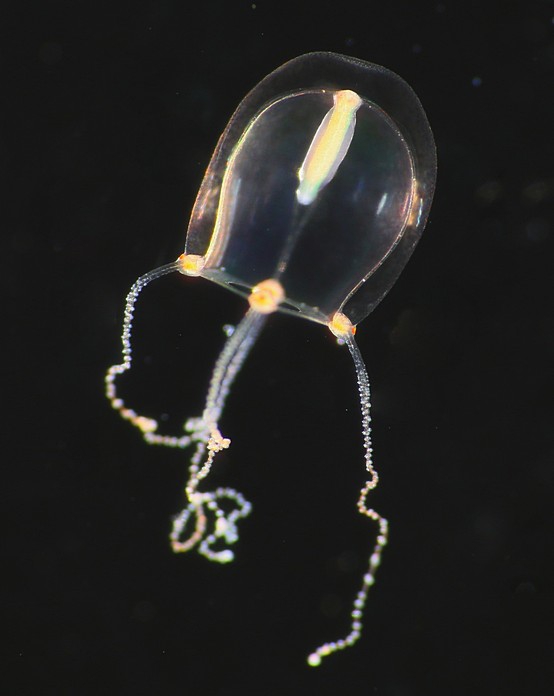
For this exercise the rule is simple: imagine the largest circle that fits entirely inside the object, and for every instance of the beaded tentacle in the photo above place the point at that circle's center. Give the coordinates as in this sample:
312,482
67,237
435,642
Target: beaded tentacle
205,431
346,335
147,426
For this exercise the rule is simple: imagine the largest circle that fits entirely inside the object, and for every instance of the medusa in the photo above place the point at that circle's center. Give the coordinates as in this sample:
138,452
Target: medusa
315,196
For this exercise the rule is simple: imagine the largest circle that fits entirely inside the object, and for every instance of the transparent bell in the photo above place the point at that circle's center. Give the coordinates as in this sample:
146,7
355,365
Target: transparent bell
340,247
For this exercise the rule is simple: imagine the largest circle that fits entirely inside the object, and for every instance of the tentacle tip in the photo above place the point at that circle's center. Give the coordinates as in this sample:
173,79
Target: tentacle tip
314,660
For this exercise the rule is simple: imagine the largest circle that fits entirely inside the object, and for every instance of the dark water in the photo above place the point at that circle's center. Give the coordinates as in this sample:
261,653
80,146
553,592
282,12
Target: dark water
109,116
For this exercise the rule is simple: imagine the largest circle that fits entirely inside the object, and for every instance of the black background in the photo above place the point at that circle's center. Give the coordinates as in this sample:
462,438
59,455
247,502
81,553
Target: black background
110,112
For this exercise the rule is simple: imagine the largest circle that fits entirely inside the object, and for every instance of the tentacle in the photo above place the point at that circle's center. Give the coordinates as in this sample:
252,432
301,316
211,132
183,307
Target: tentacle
356,614
147,426
205,431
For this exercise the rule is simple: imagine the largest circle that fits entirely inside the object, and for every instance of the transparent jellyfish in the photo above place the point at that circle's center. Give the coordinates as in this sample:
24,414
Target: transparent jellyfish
315,196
